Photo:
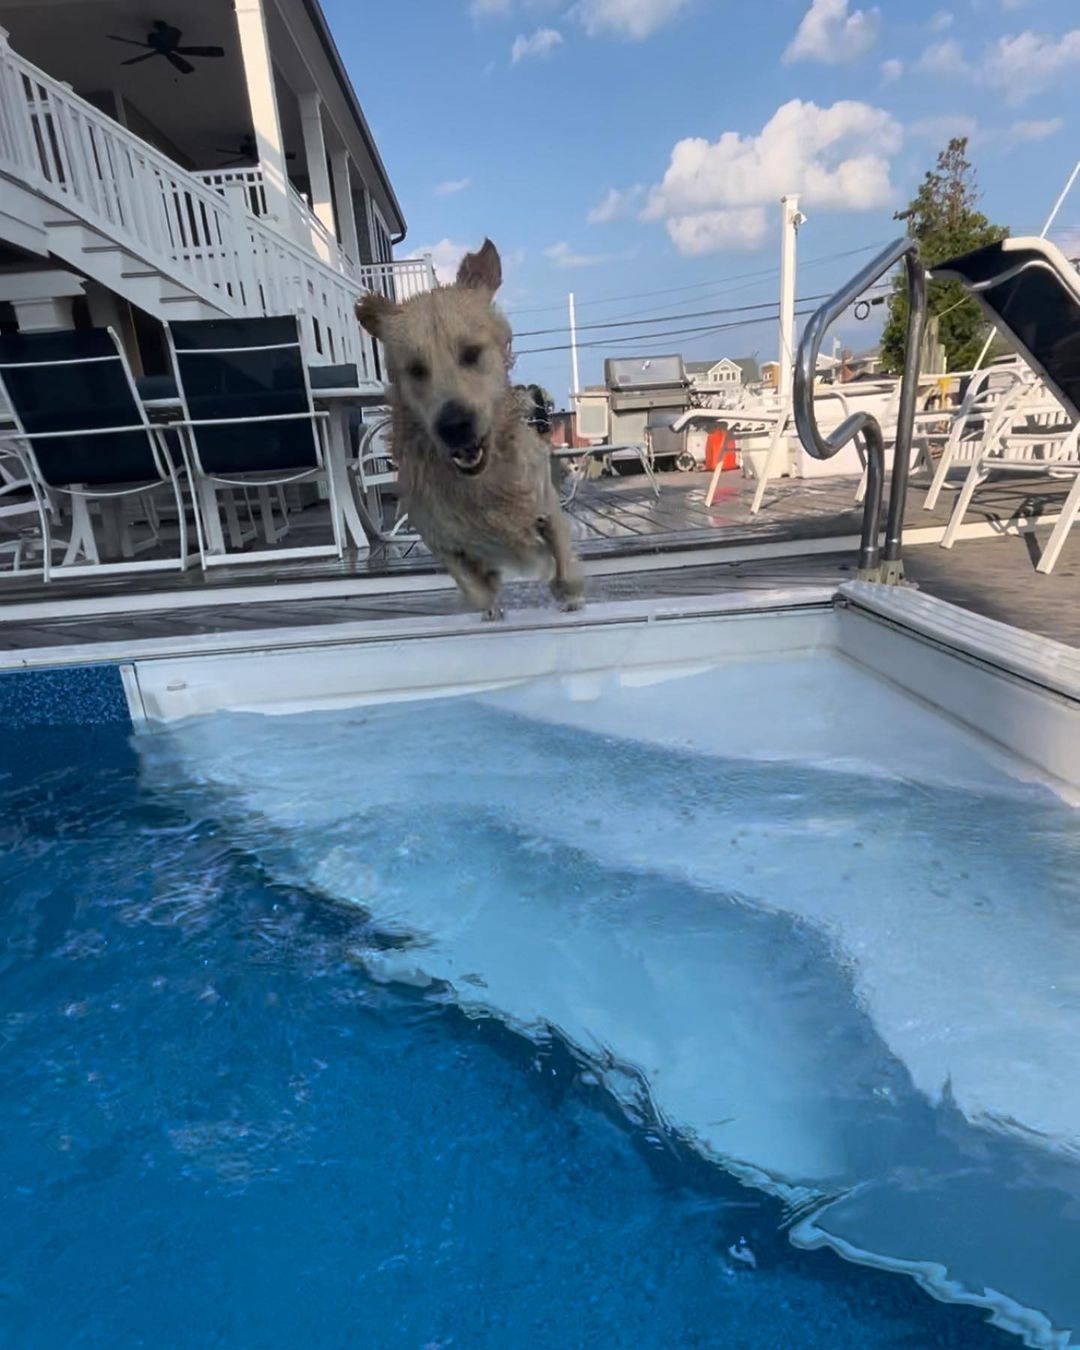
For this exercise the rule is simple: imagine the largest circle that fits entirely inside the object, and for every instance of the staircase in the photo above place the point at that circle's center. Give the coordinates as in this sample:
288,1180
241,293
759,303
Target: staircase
80,187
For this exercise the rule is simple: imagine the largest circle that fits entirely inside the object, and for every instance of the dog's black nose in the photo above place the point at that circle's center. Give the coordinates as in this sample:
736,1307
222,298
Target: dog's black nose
456,427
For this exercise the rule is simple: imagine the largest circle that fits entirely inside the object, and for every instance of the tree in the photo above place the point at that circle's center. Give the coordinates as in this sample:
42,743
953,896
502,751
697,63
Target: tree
943,218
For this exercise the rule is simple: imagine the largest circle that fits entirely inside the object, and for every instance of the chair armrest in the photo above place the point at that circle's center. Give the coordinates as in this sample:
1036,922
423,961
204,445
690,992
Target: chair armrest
242,421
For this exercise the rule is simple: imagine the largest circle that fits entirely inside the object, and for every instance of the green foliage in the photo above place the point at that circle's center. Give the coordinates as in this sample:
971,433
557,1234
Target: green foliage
942,216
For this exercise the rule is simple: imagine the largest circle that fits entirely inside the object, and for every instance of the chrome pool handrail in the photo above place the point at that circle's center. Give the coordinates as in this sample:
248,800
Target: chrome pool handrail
873,564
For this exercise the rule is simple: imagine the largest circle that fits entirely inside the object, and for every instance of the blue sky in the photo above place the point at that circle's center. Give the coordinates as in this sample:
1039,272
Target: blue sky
634,151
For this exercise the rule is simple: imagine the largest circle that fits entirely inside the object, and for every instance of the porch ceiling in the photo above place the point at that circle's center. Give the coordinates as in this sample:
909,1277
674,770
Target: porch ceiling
197,113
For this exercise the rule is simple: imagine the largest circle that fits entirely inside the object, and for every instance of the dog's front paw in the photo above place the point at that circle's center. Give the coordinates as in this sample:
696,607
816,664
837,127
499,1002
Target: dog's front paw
569,594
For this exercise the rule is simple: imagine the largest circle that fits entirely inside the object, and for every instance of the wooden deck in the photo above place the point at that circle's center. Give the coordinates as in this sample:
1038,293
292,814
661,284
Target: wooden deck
805,534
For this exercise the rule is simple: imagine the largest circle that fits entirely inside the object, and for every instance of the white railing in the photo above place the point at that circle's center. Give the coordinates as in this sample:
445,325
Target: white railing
65,149
206,232
282,277
304,225
400,280
249,180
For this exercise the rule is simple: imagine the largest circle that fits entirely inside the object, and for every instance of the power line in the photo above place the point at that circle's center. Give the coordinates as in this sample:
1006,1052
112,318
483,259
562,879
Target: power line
667,318
695,286
671,332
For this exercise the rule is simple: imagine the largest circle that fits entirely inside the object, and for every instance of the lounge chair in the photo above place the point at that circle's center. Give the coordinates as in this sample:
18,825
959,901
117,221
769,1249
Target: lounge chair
248,422
1031,292
81,432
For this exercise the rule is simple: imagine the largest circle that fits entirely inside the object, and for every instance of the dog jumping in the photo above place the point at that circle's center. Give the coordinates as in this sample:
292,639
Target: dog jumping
475,477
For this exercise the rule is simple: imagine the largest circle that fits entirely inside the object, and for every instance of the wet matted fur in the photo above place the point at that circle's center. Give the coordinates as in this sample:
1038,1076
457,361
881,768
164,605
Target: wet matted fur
475,477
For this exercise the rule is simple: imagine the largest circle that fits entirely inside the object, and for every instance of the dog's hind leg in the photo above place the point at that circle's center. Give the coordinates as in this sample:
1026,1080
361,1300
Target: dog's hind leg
479,583
568,585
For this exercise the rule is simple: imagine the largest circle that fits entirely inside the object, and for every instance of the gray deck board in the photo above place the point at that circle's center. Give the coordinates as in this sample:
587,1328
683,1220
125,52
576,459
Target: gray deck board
617,519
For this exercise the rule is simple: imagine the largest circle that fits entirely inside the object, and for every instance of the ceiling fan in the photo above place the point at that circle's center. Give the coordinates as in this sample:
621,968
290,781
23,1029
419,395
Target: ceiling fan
246,149
164,40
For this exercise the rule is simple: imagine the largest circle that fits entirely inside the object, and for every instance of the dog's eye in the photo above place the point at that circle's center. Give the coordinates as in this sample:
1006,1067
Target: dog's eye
470,355
416,370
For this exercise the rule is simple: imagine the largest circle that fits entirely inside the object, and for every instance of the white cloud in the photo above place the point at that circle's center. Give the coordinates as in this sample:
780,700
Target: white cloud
562,255
446,256
1021,132
632,19
615,204
453,186
485,9
1016,66
943,58
828,33
942,21
836,157
539,44
891,70
715,231
1030,63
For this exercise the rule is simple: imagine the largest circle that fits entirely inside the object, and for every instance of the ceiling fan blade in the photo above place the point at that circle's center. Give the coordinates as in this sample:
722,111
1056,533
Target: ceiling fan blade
131,42
200,51
178,63
134,61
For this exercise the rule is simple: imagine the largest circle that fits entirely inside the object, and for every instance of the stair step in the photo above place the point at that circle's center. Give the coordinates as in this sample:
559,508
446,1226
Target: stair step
185,299
65,224
103,248
142,273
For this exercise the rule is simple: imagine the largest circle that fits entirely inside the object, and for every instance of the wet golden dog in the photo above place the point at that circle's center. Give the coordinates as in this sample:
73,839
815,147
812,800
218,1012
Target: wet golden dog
475,478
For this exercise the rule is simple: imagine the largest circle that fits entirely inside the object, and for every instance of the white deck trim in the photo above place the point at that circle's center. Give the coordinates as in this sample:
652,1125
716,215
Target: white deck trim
1054,665
323,636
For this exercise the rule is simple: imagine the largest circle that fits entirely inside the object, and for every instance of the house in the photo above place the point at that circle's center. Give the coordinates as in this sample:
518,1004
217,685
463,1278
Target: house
827,367
214,162
727,373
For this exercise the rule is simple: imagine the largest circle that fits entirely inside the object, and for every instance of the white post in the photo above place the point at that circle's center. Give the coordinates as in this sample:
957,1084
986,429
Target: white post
575,378
790,220
42,301
1045,231
262,99
339,163
315,154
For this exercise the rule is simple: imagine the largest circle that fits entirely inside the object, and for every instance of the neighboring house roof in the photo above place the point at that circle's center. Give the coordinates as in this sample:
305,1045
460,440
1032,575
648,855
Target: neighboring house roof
322,28
747,364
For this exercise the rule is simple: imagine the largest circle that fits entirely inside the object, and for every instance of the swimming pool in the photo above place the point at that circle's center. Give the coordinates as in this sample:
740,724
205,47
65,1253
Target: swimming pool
217,1130
502,1010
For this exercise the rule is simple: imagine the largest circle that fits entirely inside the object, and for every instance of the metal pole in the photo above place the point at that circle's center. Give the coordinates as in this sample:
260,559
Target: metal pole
864,424
575,387
1044,232
893,569
789,224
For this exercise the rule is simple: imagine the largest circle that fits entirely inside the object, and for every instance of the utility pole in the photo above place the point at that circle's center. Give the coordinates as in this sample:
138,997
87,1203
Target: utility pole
575,382
790,220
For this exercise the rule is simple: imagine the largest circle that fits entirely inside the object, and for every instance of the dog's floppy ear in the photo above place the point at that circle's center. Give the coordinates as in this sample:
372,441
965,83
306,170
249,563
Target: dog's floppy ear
481,271
372,311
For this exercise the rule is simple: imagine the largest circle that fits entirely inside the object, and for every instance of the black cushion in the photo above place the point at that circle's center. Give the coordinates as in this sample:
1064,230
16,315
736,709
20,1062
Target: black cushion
153,387
334,377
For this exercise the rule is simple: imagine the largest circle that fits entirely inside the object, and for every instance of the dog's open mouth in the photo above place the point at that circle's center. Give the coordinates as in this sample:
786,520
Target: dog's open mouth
470,459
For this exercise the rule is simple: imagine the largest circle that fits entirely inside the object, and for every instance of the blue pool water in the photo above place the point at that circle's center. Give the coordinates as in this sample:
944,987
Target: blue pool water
217,1130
